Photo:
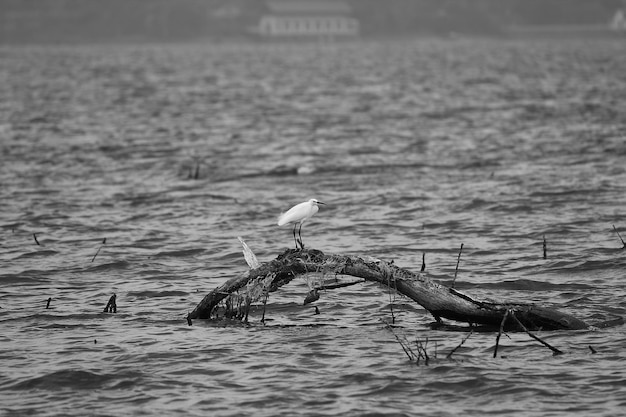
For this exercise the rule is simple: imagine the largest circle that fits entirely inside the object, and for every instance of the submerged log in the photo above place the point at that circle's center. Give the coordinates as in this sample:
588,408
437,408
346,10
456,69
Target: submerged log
441,301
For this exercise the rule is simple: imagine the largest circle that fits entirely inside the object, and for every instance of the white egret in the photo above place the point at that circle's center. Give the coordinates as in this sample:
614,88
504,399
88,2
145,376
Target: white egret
297,215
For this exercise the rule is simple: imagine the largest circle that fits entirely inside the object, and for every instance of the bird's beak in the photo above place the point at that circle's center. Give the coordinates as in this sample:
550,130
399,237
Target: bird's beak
319,202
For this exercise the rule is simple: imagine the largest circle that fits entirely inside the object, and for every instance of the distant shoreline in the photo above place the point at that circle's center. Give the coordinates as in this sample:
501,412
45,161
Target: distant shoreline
564,31
574,32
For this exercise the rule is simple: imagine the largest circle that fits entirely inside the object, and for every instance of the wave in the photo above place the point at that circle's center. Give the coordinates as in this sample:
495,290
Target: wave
77,380
112,266
180,253
156,294
38,254
524,284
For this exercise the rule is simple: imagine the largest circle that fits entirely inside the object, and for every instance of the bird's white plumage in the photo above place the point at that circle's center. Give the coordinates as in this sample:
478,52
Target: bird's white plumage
299,213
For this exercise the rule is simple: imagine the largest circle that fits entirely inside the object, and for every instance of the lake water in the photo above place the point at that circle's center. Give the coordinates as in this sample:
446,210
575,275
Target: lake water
171,152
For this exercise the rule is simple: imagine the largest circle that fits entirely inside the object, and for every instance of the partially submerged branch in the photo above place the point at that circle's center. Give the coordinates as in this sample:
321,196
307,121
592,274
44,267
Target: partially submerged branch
439,300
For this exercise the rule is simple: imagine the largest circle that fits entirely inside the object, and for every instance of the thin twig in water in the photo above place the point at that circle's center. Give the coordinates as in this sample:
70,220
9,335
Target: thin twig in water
406,349
389,274
545,248
620,238
460,344
495,351
247,308
546,344
457,265
103,242
421,347
36,241
423,262
264,303
422,350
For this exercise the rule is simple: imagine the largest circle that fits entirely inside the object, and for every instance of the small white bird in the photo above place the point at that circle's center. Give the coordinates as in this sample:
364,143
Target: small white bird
297,215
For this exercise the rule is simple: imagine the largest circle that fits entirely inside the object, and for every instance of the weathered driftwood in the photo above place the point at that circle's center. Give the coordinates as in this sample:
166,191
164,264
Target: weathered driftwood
439,300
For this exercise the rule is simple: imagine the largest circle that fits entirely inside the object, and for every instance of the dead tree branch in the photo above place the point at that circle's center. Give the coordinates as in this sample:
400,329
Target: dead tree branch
439,300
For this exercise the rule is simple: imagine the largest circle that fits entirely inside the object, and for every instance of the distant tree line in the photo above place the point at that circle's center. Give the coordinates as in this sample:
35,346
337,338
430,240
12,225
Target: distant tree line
478,16
110,20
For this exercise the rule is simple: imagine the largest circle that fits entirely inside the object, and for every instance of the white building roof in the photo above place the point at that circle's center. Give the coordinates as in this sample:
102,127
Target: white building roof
309,7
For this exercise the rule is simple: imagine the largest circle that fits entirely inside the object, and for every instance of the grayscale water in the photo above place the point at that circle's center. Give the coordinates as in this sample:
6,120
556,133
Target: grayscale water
416,147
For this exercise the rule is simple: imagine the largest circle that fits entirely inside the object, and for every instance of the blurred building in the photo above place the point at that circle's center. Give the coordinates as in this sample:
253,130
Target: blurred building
307,18
618,22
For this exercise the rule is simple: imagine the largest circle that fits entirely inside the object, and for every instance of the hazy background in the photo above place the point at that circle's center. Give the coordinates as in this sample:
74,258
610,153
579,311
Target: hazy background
180,20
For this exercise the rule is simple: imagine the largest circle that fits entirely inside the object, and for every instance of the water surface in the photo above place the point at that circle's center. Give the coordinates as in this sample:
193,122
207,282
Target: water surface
170,152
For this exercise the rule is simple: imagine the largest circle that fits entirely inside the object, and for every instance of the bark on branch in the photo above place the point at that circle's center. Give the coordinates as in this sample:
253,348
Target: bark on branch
441,301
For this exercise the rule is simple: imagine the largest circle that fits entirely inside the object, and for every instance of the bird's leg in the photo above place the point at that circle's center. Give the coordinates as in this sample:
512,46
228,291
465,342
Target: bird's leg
294,234
300,235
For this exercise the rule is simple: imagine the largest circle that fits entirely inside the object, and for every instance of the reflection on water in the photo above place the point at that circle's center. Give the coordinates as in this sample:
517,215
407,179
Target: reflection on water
171,152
